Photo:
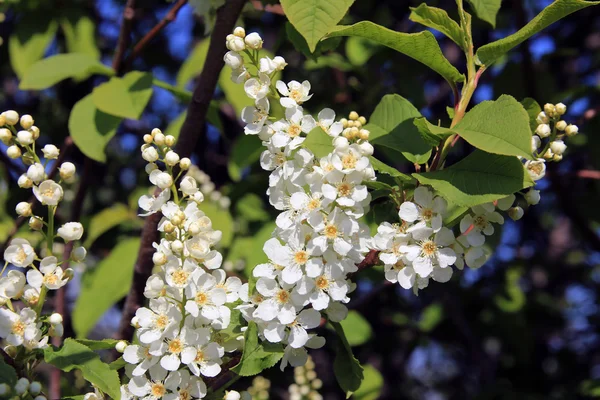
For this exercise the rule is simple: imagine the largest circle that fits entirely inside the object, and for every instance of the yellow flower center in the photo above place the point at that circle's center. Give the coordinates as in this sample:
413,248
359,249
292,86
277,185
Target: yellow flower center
331,231
344,189
283,296
349,161
294,130
50,279
201,298
536,168
180,277
48,192
175,346
427,214
18,328
399,265
257,298
322,282
279,159
313,204
161,321
199,356
184,395
301,257
158,389
296,95
429,248
21,256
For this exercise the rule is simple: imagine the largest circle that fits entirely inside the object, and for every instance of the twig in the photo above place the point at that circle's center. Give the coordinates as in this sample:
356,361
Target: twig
193,127
59,299
272,8
139,46
124,36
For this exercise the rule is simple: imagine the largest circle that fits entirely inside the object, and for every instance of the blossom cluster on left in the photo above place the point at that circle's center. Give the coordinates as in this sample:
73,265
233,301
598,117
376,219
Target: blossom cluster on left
28,275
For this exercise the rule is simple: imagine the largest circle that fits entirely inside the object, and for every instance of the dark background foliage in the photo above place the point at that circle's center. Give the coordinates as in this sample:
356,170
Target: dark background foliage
524,326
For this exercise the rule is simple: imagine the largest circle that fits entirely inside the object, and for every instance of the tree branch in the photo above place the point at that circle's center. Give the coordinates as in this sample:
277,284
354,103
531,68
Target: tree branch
124,36
193,127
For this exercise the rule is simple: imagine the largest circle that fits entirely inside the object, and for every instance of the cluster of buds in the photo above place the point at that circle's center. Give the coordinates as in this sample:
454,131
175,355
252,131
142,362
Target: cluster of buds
353,127
23,389
306,384
239,41
260,388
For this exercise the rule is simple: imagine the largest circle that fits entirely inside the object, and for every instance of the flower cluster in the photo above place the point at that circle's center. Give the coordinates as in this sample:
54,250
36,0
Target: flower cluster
26,279
179,333
318,240
306,383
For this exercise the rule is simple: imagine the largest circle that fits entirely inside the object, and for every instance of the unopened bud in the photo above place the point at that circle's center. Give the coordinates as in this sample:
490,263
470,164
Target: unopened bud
344,122
11,351
79,253
13,152
516,213
35,388
542,118
50,151
362,120
35,223
170,140
67,170
171,158
549,109
26,121
21,386
353,115
185,163
571,130
239,32
159,258
159,139
532,197
148,139
120,346
543,130
35,132
155,131
558,147
55,319
23,209
57,330
364,134
25,138
561,125
5,136
177,246
4,389
557,157
169,227
11,117
69,273
560,108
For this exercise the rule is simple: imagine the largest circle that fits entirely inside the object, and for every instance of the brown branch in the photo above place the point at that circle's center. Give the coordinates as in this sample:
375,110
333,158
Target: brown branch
272,8
124,36
193,127
139,46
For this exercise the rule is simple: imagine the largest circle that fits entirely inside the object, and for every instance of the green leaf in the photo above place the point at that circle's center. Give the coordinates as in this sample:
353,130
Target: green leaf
438,19
257,356
256,255
491,52
92,129
7,374
430,133
221,220
80,34
359,50
300,43
383,168
105,220
245,152
454,214
421,46
49,71
347,369
193,64
318,142
315,18
28,43
431,316
391,125
251,208
73,355
174,128
533,109
486,10
139,85
357,328
104,344
109,282
371,387
513,299
479,178
332,60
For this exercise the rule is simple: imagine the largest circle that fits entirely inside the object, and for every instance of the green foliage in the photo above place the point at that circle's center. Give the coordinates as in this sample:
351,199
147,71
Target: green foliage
73,355
479,178
174,127
533,109
486,10
104,344
221,220
371,386
347,369
193,64
391,171
421,46
491,52
499,127
245,152
319,142
332,60
108,283
302,46
431,316
28,43
357,328
105,220
92,129
124,97
7,374
80,34
49,71
513,299
315,18
250,207
360,50
438,19
391,125
257,355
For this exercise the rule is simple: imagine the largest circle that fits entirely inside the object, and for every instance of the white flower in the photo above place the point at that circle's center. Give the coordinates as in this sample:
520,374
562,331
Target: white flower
67,170
253,41
49,275
171,158
152,204
268,66
532,197
337,230
50,152
204,297
558,147
140,356
25,138
70,231
157,387
233,60
171,350
11,285
231,285
198,247
473,227
11,116
275,332
36,172
328,281
430,253
49,193
543,130
255,116
326,120
298,357
161,179
257,88
536,168
204,357
235,43
23,209
296,92
188,186
159,321
292,258
19,253
279,302
350,159
428,208
18,328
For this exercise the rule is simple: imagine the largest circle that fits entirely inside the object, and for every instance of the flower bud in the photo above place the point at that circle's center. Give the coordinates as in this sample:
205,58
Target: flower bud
159,139
24,182
148,139
36,172
23,209
253,41
168,227
516,213
120,346
21,386
532,197
57,330
11,117
233,60
155,131
25,138
549,109
35,387
344,122
55,319
560,108
561,125
188,186
571,130
164,180
5,136
557,157
341,143
35,223
548,154
69,273
198,197
347,133
279,63
67,170
235,43
150,167
35,132
558,147
543,130
135,322
362,120
171,158
150,154
79,253
364,134
535,143
26,121
366,148
159,258
170,140
353,115
232,395
50,151
13,152
178,218
185,163
4,389
70,231
177,246
239,32
2,119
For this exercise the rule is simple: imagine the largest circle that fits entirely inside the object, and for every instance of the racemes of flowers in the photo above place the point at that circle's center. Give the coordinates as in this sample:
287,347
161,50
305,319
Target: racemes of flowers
28,277
180,333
